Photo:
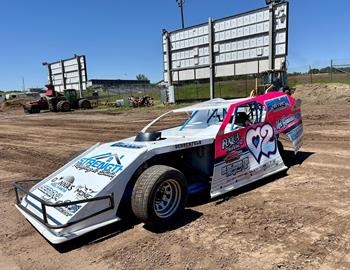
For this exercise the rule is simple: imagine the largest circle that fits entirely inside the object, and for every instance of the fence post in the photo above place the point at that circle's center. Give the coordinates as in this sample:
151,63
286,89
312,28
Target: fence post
310,71
331,71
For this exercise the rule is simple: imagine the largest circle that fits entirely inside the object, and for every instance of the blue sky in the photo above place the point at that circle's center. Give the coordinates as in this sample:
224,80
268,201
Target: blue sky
123,38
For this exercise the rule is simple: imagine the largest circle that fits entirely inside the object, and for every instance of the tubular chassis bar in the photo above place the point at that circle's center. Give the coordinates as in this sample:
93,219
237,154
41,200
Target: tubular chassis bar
19,187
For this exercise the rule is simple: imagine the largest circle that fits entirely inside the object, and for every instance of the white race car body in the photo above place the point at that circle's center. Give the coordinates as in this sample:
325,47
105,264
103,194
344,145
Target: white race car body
86,193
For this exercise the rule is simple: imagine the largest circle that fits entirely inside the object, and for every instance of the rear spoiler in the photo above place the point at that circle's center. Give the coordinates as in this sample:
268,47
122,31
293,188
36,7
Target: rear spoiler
19,188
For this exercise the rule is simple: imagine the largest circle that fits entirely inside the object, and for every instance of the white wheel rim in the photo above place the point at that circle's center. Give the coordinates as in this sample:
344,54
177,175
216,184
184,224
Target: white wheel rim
167,198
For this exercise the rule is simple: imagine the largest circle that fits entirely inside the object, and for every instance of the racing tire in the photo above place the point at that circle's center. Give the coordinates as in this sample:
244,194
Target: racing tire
84,104
63,106
159,196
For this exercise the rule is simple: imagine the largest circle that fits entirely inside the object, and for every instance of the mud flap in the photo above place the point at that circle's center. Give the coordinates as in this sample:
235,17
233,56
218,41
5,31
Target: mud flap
296,136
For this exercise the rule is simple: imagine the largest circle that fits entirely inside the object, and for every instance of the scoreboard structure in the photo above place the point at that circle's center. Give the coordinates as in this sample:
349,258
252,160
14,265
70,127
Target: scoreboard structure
247,43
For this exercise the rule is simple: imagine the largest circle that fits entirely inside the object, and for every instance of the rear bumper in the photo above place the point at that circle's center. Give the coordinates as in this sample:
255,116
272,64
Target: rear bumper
53,232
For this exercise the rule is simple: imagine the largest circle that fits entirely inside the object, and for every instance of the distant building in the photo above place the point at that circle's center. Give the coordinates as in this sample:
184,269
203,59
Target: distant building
120,86
37,90
22,95
161,83
116,83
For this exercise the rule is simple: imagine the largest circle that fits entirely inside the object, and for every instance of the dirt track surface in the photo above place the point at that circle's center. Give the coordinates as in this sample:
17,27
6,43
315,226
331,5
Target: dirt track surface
296,221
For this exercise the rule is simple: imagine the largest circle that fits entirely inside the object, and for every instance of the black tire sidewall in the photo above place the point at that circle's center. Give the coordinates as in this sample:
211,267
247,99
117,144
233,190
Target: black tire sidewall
63,106
66,106
144,192
175,175
84,104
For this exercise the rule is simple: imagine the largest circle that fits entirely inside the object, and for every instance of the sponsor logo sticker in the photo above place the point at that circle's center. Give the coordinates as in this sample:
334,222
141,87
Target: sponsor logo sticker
277,104
107,164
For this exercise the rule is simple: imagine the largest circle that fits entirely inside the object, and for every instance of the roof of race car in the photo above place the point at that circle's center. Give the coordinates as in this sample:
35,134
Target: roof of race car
217,103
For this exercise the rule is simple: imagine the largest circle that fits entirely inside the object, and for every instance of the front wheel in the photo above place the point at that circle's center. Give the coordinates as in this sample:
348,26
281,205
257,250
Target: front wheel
159,196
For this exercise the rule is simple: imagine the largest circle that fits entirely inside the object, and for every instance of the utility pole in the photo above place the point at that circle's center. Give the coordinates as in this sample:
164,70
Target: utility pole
211,58
271,5
23,85
181,4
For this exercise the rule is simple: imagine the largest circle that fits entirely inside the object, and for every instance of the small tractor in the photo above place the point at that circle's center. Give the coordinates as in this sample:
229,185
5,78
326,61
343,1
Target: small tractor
273,80
59,102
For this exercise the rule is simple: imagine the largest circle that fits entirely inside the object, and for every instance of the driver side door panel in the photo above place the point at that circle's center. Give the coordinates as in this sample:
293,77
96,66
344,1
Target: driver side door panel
244,155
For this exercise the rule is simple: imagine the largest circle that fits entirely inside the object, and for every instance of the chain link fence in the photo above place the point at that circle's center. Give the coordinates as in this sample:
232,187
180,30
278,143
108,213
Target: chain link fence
337,70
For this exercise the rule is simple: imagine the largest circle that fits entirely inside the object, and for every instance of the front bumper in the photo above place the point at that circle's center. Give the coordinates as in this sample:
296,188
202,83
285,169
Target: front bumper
49,231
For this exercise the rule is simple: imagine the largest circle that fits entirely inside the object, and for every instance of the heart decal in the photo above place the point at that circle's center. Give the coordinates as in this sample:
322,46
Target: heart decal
254,142
261,141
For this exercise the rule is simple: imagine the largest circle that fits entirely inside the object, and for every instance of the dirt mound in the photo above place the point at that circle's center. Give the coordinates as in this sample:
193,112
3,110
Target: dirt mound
323,93
12,105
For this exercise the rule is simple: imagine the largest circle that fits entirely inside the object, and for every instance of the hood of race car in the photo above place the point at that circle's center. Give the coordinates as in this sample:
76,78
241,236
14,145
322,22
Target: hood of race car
84,177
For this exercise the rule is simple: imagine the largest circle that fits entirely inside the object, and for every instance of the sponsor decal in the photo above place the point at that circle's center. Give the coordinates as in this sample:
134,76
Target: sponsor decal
69,210
50,193
232,143
187,145
296,135
286,120
232,156
277,104
261,141
260,170
296,132
83,192
236,167
63,184
101,164
127,145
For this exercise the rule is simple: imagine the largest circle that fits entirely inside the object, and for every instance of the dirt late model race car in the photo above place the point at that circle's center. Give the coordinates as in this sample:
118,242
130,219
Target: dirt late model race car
223,145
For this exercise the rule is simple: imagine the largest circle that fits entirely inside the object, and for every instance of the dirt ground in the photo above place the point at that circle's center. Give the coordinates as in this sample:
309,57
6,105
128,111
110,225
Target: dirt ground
300,220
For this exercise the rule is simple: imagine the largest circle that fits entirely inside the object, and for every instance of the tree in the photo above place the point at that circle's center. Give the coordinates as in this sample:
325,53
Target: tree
141,77
314,71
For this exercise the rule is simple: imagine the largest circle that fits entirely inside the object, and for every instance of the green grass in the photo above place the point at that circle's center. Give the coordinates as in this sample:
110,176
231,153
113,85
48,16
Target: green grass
227,89
242,88
318,78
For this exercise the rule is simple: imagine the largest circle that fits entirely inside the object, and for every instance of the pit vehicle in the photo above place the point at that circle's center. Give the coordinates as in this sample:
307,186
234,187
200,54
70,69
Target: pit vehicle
274,80
223,145
59,102
36,106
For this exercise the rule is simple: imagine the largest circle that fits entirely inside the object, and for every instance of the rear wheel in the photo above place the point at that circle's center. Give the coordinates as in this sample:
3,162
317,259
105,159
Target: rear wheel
63,106
159,196
84,104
